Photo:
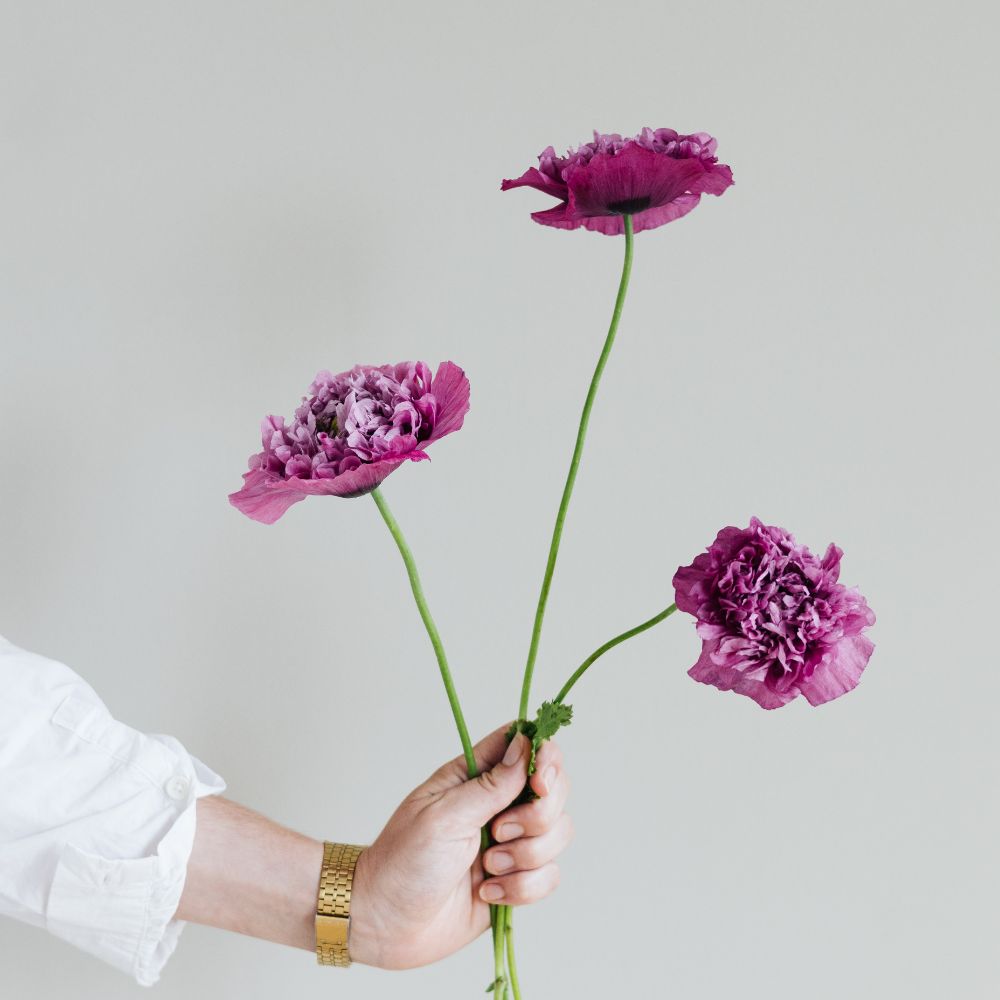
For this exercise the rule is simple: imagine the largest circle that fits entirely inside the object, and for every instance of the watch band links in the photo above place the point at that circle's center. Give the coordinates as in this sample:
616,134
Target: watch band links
333,904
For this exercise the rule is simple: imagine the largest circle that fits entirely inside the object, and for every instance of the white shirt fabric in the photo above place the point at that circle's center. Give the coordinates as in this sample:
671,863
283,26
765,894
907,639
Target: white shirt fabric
97,820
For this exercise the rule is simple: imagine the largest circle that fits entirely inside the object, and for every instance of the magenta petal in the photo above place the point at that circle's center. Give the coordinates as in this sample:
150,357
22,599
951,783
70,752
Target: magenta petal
714,180
630,181
265,498
560,217
839,670
262,502
450,388
355,483
608,225
653,218
534,178
691,584
709,670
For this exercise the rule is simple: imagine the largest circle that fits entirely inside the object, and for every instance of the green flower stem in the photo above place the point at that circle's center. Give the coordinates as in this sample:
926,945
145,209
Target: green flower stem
515,986
499,936
498,914
610,644
486,842
432,632
581,435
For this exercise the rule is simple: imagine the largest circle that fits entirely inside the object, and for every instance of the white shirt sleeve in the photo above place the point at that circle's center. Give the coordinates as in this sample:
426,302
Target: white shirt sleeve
97,820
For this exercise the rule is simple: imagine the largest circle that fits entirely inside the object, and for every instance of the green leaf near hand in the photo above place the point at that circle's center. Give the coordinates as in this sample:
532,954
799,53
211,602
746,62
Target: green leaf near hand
551,717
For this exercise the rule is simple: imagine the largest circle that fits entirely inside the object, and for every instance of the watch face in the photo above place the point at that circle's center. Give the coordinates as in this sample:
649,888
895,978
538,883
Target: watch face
331,930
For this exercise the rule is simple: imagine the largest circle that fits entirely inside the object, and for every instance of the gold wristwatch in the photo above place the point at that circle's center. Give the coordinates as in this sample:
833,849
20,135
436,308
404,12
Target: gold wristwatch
333,904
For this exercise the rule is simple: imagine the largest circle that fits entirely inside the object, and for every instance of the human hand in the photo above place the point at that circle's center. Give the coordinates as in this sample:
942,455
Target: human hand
420,892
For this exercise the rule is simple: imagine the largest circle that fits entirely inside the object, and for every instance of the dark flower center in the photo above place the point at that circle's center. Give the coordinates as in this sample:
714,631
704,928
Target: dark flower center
630,206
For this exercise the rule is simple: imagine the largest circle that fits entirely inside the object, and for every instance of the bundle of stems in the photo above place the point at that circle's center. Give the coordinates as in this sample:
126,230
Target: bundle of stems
505,983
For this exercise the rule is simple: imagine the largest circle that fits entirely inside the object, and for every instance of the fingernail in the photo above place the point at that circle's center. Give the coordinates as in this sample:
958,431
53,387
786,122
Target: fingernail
500,861
515,750
510,831
491,892
549,778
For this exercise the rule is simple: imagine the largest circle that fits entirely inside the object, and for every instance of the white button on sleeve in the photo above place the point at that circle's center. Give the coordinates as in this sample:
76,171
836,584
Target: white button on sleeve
97,820
177,787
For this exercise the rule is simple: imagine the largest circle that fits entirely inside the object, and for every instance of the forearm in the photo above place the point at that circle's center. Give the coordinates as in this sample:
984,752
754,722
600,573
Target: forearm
421,890
249,875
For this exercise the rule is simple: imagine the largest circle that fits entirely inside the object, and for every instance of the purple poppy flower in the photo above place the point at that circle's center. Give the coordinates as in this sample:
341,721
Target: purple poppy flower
350,432
656,177
773,620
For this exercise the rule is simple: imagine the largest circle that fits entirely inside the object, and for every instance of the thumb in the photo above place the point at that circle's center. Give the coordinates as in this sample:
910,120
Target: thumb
479,799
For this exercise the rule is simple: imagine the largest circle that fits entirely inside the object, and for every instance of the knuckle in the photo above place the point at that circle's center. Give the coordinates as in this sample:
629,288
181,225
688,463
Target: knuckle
541,883
537,827
520,816
531,826
510,817
529,854
488,781
526,891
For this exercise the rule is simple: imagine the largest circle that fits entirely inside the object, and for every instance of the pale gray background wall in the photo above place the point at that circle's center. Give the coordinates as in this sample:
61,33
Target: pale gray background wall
203,203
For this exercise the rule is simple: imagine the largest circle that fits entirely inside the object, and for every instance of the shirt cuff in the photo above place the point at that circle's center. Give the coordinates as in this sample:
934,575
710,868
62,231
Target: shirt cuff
122,909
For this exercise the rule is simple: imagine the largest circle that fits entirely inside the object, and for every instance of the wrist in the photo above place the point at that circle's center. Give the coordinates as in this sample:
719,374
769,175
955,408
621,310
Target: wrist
364,940
334,919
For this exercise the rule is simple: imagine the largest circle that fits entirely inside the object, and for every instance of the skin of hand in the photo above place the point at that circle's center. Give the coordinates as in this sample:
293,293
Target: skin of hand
420,892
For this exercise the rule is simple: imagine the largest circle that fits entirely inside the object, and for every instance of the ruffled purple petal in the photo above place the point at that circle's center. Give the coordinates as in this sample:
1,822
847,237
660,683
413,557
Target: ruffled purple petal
653,218
450,388
354,483
714,669
691,584
534,178
560,217
265,498
714,180
262,497
614,225
839,670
